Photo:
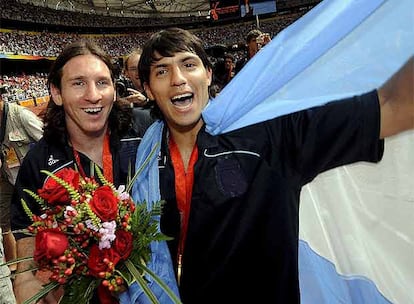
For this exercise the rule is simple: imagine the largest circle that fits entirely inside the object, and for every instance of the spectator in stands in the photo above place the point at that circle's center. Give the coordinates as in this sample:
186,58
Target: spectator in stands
133,91
232,200
224,71
19,129
83,126
255,40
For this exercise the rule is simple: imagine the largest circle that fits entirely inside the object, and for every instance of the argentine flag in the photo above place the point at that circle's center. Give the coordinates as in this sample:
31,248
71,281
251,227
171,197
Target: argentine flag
356,233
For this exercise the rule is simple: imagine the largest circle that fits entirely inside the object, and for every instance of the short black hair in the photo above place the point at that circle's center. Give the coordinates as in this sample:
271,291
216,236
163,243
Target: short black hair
167,43
231,56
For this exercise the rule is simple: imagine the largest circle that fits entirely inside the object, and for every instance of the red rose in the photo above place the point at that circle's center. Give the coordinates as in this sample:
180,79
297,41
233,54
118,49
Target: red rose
104,203
50,243
123,243
53,192
105,296
96,262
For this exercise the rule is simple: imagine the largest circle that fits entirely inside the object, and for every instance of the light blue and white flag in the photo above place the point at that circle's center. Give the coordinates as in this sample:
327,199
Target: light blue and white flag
356,242
356,233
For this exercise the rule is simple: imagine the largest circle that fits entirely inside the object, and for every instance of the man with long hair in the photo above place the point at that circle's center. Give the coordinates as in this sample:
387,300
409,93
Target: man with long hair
84,126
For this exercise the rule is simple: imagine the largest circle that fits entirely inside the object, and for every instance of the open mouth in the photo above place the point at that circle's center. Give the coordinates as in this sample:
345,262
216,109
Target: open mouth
182,101
93,111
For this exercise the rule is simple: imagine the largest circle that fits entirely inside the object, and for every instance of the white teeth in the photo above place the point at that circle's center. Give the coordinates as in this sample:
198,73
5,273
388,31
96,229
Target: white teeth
182,96
93,110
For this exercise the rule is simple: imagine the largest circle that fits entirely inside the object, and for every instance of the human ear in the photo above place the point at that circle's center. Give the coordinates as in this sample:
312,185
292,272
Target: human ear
210,76
148,91
56,95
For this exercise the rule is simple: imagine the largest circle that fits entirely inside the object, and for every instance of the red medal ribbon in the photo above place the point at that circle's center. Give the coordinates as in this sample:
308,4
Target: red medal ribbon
106,160
183,189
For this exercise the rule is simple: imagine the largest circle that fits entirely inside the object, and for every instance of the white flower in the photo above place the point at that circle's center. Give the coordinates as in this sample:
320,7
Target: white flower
71,210
107,232
91,226
121,192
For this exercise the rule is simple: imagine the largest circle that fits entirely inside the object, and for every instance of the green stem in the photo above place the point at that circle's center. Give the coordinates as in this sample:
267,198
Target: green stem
16,261
141,282
164,286
140,169
43,292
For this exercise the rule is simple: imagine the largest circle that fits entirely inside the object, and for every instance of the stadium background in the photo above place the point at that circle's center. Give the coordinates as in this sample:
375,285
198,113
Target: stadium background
33,32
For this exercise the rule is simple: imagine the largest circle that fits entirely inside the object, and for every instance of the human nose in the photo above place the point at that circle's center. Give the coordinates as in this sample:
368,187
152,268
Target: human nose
177,77
92,93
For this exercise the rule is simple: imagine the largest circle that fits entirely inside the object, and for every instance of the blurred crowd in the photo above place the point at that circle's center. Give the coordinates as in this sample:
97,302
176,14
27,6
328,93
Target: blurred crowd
15,10
49,44
23,87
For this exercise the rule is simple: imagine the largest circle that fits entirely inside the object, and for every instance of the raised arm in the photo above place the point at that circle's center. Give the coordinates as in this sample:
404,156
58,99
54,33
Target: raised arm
396,99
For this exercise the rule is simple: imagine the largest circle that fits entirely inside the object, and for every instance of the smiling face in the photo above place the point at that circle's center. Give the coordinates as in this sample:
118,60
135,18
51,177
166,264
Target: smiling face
87,94
179,85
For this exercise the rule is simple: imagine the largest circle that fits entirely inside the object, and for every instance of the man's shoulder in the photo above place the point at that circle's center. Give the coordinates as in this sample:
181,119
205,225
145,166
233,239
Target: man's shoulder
14,107
22,113
47,153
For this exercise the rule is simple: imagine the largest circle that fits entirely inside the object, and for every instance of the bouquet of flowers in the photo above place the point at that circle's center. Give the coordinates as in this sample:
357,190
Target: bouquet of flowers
92,236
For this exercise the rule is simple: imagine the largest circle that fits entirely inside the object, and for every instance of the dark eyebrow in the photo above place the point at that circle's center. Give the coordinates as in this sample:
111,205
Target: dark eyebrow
76,78
189,57
184,59
159,65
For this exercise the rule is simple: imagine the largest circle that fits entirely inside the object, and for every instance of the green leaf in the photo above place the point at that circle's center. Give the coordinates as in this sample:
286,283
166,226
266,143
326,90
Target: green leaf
79,290
140,169
17,261
164,286
141,282
102,178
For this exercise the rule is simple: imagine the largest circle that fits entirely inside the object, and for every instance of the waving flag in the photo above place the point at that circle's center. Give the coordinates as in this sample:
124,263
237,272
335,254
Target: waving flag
356,237
338,49
356,240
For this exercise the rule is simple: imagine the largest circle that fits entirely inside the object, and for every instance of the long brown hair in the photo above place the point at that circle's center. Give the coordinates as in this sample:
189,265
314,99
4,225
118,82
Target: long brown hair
55,126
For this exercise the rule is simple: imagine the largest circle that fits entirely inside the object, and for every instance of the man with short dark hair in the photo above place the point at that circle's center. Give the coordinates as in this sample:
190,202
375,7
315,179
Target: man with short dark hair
255,40
232,199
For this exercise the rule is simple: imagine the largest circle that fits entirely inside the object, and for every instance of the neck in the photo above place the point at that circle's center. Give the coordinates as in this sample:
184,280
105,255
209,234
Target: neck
91,146
185,140
252,53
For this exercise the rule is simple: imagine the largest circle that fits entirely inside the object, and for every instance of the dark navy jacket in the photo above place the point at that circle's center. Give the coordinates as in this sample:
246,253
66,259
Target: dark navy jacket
53,157
242,241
